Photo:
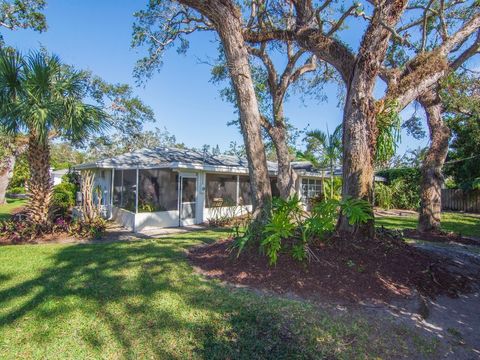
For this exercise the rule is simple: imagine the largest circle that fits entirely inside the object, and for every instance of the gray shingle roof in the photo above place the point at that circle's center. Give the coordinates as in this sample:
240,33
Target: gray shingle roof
167,156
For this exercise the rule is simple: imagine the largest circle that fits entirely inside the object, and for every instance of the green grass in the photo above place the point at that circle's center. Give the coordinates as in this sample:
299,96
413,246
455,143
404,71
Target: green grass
11,205
142,300
465,224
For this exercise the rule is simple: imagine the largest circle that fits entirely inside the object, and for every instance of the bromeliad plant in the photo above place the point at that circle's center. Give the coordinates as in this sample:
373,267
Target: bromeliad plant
290,228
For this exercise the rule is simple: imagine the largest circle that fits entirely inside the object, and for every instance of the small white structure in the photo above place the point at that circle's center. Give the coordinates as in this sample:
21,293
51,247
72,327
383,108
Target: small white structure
168,187
57,175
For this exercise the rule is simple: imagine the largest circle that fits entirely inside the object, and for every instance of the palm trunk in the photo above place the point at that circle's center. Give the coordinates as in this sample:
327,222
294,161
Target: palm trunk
227,20
432,177
40,182
6,173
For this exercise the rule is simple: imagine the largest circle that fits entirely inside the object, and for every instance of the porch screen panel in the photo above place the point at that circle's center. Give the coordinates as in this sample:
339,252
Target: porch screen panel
158,190
221,190
129,189
117,188
245,196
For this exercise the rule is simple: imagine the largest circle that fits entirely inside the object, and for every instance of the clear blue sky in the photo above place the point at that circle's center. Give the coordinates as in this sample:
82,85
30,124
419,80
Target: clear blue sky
95,35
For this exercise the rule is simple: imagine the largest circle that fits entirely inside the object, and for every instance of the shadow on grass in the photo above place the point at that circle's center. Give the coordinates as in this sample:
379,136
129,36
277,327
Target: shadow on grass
141,299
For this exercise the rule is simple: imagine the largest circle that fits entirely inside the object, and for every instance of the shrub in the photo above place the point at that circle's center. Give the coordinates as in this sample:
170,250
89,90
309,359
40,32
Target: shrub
290,228
401,191
16,190
63,198
383,196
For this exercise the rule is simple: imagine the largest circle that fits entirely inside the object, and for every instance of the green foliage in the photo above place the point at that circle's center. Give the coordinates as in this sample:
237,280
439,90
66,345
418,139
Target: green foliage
291,229
462,105
356,210
389,126
401,191
337,188
63,198
22,14
281,225
383,196
21,173
17,190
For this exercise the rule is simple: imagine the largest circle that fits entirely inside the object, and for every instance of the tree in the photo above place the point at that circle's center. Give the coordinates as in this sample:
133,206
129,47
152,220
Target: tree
328,148
119,143
461,99
272,87
165,22
22,14
40,96
17,14
317,31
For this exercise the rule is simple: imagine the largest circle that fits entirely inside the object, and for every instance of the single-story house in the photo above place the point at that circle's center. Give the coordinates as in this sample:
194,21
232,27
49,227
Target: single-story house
178,187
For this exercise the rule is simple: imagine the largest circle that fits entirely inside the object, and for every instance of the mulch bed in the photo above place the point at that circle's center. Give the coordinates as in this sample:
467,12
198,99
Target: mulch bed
349,270
440,236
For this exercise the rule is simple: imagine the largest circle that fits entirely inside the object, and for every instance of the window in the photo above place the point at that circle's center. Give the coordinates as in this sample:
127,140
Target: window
245,195
158,190
221,190
311,188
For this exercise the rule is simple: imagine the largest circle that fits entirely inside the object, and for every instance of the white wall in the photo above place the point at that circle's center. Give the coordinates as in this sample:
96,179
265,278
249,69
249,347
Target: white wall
146,221
124,217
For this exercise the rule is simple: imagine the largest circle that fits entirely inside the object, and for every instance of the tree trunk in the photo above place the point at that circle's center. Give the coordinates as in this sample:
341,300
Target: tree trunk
227,20
6,173
287,177
40,181
359,126
432,177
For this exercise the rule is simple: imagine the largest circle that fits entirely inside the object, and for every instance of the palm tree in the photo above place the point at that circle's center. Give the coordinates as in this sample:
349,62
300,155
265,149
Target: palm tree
42,98
327,149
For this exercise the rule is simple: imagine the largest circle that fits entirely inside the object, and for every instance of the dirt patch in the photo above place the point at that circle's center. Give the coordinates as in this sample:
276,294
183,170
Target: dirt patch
347,270
440,236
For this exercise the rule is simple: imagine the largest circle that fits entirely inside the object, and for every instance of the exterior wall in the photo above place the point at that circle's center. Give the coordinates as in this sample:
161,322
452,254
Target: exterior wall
146,221
124,217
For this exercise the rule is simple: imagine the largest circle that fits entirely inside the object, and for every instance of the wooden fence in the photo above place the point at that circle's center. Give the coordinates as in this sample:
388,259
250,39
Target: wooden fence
459,200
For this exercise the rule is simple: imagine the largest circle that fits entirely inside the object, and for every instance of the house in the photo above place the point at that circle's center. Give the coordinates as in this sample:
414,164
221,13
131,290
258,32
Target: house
178,187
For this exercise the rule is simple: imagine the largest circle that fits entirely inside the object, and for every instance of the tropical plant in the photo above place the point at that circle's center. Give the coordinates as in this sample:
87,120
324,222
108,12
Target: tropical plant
327,149
40,97
290,228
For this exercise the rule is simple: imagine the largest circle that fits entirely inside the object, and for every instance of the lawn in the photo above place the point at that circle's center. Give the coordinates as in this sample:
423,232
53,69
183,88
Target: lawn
465,224
11,205
142,299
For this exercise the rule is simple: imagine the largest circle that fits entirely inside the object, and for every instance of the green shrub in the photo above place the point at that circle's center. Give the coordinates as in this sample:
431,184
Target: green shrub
290,228
16,190
401,190
63,198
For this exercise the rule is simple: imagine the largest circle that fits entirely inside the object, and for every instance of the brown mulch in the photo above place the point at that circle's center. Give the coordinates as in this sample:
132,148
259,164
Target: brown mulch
440,236
346,270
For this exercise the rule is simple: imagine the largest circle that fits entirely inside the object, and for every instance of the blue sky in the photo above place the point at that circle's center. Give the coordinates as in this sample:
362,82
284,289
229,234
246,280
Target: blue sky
95,35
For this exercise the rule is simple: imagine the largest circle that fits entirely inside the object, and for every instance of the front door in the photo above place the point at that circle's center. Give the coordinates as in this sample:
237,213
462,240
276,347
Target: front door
188,199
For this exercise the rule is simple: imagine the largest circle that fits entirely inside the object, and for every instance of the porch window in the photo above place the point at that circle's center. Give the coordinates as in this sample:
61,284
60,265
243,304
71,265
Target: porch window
221,190
158,190
311,188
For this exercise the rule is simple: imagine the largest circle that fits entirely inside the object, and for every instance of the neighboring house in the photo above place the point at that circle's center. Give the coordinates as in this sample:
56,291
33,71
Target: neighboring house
57,175
178,187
